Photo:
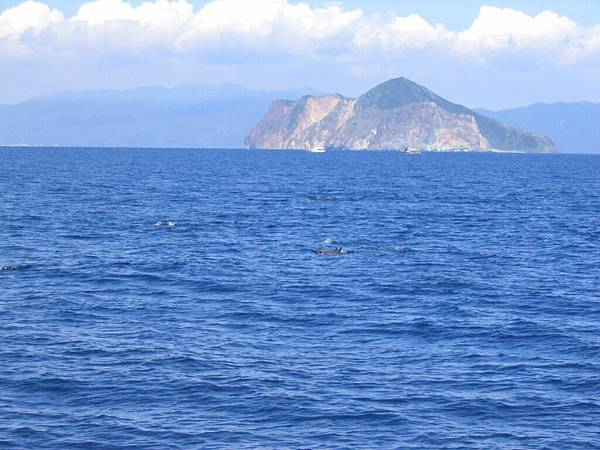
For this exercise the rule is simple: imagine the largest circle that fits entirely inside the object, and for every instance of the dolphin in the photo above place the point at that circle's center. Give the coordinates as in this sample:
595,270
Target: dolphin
329,251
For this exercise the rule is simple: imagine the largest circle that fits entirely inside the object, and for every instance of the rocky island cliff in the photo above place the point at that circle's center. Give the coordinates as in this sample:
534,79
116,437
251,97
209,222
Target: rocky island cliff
395,115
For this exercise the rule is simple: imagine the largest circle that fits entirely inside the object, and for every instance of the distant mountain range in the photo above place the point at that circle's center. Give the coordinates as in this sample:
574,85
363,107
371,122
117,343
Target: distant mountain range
574,127
184,116
396,115
221,117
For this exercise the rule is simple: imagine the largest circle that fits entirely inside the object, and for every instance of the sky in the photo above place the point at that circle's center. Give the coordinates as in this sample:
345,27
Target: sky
491,54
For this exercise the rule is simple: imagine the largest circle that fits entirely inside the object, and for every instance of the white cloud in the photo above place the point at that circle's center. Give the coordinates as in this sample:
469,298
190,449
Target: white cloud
29,16
158,15
497,29
278,27
103,11
402,32
267,25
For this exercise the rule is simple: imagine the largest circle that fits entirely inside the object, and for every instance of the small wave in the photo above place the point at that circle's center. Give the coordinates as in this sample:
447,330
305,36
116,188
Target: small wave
165,223
399,249
393,249
321,198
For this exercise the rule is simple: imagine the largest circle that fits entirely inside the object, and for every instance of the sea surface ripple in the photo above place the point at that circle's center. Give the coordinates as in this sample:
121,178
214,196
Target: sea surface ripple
172,299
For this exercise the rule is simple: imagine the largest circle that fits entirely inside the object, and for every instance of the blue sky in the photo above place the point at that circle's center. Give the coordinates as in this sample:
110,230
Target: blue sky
493,54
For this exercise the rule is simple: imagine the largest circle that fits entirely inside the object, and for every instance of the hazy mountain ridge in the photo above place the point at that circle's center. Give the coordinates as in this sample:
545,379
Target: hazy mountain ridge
183,116
574,126
394,115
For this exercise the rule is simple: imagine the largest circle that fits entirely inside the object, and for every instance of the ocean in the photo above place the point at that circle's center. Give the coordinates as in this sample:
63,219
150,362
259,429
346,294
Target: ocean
172,299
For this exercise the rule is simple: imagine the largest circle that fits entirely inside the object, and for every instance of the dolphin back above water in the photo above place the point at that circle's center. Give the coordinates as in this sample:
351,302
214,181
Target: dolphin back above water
330,251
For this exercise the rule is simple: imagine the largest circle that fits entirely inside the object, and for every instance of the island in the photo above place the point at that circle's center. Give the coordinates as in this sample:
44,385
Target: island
396,115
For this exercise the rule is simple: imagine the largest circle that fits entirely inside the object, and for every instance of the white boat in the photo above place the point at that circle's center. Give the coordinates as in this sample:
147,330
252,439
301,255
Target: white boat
317,150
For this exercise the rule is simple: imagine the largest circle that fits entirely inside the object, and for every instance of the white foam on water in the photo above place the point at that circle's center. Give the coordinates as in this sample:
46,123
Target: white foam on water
13,266
165,223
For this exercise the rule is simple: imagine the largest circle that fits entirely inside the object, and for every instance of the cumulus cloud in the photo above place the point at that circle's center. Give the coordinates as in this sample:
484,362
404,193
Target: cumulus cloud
403,32
280,27
497,29
28,18
268,25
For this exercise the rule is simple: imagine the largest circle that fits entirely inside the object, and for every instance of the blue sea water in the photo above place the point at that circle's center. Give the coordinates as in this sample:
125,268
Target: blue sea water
171,299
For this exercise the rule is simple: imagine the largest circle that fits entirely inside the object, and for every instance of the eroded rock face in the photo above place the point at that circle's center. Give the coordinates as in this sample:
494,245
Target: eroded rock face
311,122
396,115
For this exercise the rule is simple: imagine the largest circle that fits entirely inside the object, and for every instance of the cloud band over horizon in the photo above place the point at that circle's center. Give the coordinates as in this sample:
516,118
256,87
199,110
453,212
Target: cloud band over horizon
227,33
